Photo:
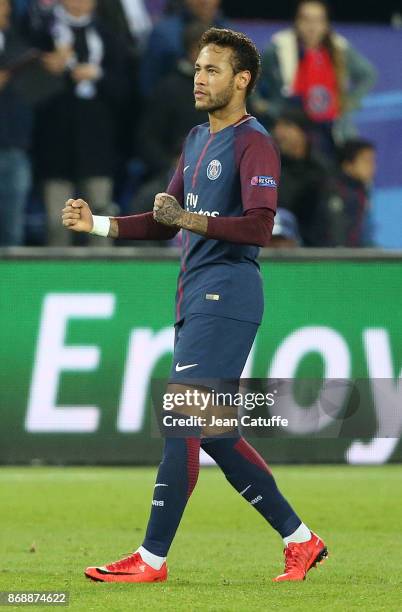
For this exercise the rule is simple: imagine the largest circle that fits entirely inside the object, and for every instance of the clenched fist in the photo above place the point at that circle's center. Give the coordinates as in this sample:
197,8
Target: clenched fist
77,216
167,210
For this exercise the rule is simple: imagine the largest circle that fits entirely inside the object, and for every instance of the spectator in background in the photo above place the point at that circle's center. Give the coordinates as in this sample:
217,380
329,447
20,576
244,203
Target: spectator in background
130,22
128,18
165,44
171,110
15,136
312,66
304,178
76,129
348,215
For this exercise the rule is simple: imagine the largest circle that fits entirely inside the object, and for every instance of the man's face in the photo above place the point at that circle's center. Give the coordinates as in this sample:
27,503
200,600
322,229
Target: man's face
215,83
5,12
203,10
79,8
363,168
290,138
312,23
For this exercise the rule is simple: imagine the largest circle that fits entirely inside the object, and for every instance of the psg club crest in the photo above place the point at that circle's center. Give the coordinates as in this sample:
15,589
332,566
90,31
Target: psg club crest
214,169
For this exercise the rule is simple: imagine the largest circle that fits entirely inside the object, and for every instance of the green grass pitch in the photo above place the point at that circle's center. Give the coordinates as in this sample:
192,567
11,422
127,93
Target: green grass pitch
56,521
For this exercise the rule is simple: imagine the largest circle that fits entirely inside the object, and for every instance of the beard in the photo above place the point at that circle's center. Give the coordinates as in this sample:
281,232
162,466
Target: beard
217,102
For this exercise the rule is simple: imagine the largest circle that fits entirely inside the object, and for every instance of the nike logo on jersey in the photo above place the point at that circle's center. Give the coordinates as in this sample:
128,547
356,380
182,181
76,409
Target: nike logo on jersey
186,168
180,368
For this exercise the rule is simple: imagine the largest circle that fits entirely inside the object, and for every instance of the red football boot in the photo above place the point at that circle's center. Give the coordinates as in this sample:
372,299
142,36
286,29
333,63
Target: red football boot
299,558
129,569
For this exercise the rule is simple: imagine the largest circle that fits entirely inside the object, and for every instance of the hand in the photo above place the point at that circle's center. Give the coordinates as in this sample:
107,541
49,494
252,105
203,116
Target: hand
167,210
55,62
77,216
4,78
85,72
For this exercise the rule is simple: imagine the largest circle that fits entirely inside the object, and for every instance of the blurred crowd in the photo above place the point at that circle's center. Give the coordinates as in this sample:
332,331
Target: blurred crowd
96,100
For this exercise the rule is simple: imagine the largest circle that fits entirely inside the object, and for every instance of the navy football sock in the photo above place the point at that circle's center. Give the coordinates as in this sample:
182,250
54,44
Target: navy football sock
248,473
177,477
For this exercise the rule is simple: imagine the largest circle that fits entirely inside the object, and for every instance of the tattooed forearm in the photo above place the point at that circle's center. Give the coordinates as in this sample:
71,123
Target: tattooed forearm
195,223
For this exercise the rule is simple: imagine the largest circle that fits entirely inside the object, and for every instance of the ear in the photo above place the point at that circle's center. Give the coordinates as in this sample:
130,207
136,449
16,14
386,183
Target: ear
243,79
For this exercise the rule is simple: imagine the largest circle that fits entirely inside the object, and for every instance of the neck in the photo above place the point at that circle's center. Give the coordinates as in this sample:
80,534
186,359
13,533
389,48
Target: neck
222,118
309,44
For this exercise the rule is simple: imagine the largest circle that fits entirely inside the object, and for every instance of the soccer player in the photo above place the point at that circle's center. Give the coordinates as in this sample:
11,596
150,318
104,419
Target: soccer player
223,197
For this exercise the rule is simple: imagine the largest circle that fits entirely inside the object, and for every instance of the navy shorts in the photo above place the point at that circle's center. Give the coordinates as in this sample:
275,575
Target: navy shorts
210,348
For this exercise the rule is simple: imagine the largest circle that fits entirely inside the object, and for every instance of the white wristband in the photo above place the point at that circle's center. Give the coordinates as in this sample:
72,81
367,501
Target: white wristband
101,226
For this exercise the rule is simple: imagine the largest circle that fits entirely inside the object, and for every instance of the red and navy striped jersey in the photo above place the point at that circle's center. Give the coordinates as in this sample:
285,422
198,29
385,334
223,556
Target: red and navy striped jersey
224,174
